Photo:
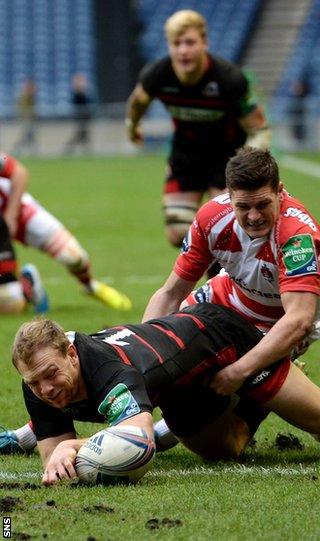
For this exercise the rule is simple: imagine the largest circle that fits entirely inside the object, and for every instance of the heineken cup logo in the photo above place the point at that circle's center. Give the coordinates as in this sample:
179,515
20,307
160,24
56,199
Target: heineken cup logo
299,255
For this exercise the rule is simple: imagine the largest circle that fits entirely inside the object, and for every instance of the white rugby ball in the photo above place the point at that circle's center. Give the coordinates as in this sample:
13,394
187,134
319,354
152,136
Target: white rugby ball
119,454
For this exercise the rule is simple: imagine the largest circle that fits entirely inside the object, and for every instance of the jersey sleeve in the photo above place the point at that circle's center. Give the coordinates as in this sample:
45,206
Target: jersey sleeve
299,252
7,164
120,391
239,89
47,421
149,77
196,256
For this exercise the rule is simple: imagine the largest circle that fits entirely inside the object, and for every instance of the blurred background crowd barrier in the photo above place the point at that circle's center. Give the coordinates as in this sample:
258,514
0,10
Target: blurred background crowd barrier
68,66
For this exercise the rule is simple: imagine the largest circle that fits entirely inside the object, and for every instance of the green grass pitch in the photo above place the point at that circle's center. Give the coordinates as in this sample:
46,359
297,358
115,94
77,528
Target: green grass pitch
113,207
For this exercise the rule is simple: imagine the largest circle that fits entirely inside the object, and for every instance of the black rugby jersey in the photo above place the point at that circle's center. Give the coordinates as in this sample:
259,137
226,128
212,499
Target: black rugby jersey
205,114
129,369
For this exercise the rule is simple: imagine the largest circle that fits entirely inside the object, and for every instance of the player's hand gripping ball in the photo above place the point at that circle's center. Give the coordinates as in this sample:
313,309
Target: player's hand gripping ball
119,454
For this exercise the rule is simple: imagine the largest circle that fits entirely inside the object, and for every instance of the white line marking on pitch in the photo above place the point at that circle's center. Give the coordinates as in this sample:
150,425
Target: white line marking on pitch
235,470
6,475
301,165
199,471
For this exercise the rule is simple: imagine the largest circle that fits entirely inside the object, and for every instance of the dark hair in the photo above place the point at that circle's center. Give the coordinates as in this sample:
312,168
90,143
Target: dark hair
251,169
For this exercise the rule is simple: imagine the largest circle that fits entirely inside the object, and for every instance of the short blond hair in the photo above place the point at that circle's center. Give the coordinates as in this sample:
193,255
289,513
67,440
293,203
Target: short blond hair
182,20
34,335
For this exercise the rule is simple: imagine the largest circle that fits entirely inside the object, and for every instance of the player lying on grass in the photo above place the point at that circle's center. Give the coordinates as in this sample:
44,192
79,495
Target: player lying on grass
120,374
29,223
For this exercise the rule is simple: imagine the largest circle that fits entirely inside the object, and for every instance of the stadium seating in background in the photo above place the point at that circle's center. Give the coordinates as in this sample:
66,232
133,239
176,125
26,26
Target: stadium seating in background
229,24
302,65
48,41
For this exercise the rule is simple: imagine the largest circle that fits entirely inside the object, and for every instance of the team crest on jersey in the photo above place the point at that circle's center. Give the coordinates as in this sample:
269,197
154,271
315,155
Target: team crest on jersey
211,89
299,256
119,404
185,244
203,294
266,273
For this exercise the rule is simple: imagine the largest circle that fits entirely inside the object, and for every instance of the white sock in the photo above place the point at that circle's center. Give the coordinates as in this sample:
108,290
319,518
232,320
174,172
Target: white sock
164,438
26,437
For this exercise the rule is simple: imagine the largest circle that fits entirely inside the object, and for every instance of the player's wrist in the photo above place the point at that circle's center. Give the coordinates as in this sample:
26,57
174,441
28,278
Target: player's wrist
259,138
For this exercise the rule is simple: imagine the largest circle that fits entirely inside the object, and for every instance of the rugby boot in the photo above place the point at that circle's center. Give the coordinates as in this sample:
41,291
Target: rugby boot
9,444
109,296
33,288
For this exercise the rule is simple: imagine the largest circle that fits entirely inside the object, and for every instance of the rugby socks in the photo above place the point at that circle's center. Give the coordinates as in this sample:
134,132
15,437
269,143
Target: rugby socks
163,437
26,437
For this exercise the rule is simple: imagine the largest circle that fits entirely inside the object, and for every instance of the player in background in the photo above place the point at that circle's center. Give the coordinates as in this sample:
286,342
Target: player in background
168,362
18,288
213,113
32,225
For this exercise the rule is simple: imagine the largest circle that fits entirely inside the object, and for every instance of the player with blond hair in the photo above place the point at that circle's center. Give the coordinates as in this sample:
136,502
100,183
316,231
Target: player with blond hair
213,110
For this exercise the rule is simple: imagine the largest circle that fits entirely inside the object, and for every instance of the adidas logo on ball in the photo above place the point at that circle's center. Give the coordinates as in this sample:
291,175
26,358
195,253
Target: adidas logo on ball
120,454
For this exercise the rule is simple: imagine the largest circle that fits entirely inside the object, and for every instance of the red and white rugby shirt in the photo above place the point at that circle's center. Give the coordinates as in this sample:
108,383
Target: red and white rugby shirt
257,271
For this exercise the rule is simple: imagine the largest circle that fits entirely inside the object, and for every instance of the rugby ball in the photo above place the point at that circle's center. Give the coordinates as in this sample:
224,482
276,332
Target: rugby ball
119,454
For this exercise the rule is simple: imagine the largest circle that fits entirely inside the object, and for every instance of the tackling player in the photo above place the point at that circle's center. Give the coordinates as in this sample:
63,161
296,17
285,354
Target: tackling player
32,225
213,113
269,246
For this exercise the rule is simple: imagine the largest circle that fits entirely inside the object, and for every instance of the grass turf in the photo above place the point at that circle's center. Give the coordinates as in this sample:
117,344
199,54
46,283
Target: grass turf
112,205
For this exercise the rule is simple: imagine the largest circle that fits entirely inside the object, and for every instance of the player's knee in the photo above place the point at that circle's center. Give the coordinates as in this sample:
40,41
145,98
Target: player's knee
65,248
12,300
237,438
227,442
175,235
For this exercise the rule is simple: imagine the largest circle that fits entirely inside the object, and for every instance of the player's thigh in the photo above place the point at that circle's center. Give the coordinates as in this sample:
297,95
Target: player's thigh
211,425
39,226
298,401
227,437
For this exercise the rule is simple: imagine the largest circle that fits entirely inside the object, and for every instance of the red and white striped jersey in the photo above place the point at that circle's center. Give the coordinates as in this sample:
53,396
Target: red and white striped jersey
256,271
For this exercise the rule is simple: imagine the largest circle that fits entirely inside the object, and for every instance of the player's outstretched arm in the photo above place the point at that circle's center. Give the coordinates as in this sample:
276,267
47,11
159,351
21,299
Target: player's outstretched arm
294,326
58,455
168,298
137,104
